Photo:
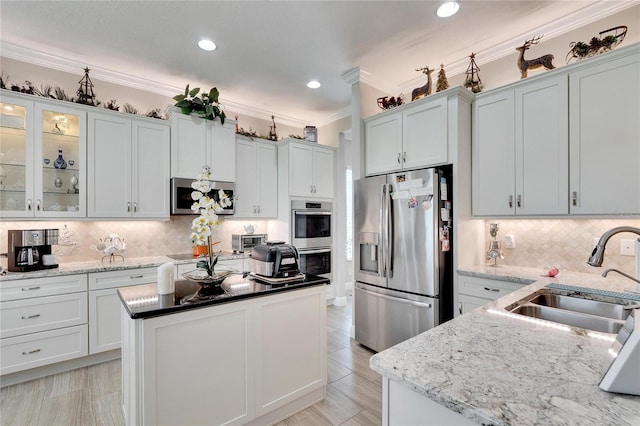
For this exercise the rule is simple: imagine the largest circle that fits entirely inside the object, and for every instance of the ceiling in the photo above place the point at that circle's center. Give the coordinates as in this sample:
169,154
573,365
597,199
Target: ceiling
268,50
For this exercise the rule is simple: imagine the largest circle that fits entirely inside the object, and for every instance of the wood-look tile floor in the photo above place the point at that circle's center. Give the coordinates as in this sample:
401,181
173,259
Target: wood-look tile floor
91,395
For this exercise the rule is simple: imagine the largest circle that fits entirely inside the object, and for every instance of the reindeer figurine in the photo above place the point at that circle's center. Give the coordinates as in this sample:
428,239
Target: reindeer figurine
425,90
530,64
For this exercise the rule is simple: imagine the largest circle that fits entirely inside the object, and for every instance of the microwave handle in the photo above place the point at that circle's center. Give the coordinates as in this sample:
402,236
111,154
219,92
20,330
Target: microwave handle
307,213
317,251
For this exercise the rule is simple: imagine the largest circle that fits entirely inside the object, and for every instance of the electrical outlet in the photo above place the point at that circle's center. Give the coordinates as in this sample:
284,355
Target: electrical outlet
627,247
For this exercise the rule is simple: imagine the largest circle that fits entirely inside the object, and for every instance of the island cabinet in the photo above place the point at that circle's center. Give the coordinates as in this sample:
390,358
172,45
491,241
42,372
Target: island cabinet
43,164
104,305
412,136
474,292
129,163
249,361
43,321
520,149
307,167
196,142
604,133
257,179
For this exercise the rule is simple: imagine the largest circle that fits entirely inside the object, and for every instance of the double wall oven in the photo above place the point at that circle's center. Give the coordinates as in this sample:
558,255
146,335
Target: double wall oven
311,235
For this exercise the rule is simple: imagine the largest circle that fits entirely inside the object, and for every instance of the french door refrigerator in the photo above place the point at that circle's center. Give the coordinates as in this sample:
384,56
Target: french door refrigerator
402,253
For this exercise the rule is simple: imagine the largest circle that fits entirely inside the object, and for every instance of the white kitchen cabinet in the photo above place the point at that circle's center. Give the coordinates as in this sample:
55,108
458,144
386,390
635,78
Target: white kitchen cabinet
104,305
604,104
196,142
520,149
256,180
33,135
42,321
310,169
474,292
233,363
408,137
129,163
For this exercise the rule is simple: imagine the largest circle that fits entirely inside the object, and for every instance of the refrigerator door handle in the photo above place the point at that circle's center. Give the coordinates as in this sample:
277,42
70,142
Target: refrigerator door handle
383,232
390,235
397,299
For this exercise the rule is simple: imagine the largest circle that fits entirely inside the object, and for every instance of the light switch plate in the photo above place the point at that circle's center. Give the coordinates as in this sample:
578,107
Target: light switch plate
627,247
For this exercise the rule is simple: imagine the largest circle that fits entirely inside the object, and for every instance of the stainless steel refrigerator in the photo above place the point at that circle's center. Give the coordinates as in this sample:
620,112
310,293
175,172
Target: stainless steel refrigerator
403,255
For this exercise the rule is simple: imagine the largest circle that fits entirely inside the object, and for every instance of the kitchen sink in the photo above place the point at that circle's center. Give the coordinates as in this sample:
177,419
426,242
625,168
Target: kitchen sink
595,315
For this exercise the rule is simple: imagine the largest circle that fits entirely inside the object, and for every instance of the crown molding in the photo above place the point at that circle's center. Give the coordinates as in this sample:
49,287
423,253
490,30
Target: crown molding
584,16
351,76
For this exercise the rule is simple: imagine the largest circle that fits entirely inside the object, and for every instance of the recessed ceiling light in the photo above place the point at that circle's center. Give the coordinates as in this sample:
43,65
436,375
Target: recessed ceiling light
448,9
313,84
207,45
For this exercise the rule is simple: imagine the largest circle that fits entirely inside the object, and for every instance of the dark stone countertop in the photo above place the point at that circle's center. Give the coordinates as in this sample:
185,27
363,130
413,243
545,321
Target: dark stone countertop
143,301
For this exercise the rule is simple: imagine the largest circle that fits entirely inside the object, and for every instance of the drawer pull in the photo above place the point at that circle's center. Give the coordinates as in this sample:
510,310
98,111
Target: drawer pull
35,351
31,288
31,316
492,289
135,277
460,308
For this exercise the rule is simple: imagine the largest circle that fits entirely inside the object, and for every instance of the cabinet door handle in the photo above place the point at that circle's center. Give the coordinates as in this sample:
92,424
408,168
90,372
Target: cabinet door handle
31,316
399,158
135,207
29,204
404,157
258,209
35,351
574,198
519,200
460,308
495,290
128,207
510,200
30,288
38,204
135,277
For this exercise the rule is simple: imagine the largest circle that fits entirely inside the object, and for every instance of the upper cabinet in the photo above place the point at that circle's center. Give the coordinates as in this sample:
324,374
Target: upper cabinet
42,168
604,105
257,182
409,137
308,167
520,149
129,163
196,142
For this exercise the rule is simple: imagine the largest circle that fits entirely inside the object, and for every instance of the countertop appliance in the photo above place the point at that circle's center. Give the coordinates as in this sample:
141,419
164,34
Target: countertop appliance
274,259
30,249
402,254
241,243
181,200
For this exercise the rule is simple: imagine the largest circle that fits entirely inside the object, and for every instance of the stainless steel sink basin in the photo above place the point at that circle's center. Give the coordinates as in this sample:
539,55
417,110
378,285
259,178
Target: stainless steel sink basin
575,319
602,316
585,306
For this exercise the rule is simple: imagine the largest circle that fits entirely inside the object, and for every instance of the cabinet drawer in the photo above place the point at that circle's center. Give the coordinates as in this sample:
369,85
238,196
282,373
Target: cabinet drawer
37,287
42,313
34,350
114,279
486,288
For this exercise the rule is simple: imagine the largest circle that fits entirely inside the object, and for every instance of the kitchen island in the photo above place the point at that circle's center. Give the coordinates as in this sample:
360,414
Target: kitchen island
489,368
253,353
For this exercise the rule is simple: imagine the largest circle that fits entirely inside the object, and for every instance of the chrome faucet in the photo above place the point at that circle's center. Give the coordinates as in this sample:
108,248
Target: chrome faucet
597,255
604,274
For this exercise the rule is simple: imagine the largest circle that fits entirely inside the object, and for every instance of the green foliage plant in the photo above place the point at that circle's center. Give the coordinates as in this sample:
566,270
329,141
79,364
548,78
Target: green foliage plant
204,105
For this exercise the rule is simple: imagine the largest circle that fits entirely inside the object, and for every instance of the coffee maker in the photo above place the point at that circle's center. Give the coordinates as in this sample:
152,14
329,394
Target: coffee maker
30,249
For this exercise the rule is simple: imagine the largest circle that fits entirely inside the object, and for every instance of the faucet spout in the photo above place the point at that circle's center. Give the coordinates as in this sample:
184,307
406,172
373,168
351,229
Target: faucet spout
604,274
597,255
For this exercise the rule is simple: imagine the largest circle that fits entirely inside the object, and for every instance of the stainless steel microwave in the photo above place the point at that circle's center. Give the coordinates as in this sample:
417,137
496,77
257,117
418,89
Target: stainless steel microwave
181,200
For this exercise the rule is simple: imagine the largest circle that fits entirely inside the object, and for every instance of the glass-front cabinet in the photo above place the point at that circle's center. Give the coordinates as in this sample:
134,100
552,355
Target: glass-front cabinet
42,159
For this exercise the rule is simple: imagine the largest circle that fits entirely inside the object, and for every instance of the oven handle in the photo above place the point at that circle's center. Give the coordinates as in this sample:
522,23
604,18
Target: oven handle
304,212
315,251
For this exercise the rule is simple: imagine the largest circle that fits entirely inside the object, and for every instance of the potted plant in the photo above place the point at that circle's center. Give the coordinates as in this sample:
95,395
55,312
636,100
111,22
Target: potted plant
205,105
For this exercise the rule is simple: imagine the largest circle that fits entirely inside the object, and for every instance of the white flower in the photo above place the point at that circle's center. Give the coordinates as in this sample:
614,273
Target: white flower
203,225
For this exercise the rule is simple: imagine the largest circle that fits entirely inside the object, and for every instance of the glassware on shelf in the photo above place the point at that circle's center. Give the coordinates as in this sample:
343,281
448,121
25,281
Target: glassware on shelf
58,182
72,162
60,163
46,161
74,184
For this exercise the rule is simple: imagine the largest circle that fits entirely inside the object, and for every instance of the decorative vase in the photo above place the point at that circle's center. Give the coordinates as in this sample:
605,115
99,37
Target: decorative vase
199,251
60,163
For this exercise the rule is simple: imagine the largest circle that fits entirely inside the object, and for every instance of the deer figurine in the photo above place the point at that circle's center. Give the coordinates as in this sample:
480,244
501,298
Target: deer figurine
425,90
530,64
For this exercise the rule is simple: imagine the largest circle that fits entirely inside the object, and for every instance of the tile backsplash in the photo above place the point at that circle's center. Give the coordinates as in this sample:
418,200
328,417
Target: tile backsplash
563,243
142,238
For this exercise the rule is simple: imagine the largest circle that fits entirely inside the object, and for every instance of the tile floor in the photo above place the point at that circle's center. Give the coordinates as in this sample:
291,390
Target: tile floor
91,395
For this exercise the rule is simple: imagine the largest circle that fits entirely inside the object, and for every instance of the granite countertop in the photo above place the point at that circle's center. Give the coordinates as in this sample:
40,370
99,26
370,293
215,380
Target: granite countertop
143,301
70,268
495,369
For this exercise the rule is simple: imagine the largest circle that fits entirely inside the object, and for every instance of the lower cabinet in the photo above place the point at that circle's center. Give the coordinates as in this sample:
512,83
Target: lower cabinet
255,360
474,292
104,305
